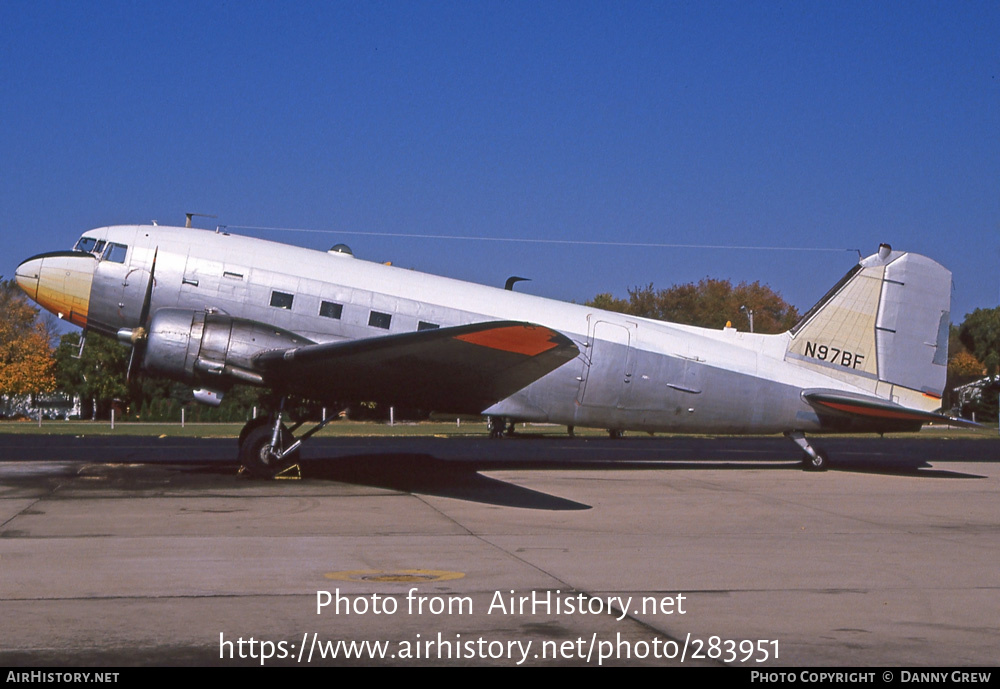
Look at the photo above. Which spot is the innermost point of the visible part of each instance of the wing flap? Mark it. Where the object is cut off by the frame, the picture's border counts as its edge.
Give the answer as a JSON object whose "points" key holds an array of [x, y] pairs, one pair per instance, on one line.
{"points": [[464, 369]]}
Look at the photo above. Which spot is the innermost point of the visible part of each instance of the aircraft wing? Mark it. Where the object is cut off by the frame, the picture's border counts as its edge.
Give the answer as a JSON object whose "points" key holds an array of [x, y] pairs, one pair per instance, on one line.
{"points": [[875, 410], [463, 369]]}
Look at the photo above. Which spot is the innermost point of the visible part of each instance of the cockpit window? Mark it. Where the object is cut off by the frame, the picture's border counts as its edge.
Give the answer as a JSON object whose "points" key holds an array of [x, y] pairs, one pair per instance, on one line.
{"points": [[91, 246], [85, 244], [115, 253]]}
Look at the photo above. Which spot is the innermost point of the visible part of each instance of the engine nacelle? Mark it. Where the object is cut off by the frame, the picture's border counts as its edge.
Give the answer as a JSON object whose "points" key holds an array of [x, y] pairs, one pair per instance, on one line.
{"points": [[201, 347]]}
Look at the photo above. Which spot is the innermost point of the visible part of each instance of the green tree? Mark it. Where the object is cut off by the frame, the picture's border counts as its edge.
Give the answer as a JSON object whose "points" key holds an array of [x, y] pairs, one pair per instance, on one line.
{"points": [[26, 363], [609, 303], [97, 375], [980, 333], [710, 303]]}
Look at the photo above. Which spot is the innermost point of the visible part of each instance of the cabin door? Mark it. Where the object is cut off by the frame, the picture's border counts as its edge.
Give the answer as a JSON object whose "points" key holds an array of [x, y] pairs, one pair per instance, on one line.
{"points": [[608, 373]]}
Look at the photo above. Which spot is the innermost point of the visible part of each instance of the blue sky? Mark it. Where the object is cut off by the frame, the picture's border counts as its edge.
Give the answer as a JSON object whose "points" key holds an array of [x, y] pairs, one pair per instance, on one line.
{"points": [[808, 125]]}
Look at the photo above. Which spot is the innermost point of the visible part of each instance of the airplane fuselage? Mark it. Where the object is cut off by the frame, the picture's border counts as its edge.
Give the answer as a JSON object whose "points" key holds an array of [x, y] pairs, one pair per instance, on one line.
{"points": [[631, 373]]}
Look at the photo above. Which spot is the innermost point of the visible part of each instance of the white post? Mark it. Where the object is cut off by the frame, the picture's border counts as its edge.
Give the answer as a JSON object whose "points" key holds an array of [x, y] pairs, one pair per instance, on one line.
{"points": [[255, 411], [112, 418], [392, 419], [182, 417], [324, 414], [458, 421]]}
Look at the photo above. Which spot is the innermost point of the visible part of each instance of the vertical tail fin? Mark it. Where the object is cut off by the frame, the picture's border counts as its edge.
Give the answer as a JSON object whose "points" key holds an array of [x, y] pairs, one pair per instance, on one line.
{"points": [[883, 327]]}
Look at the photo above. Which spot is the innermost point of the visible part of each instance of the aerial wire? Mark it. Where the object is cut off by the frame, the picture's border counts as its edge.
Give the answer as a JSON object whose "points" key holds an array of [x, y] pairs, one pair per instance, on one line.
{"points": [[531, 240]]}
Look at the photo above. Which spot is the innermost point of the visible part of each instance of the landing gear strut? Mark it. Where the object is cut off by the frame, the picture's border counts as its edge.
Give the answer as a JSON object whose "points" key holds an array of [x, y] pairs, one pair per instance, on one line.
{"points": [[500, 426], [262, 457], [813, 459], [268, 448], [496, 425]]}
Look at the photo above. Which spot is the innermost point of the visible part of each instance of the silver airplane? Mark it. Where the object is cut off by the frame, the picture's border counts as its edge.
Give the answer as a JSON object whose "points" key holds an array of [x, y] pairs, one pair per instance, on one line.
{"points": [[212, 309]]}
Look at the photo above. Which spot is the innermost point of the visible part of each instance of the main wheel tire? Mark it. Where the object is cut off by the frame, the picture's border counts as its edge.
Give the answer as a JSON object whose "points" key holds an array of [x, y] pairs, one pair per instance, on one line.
{"points": [[251, 425], [257, 456], [821, 462]]}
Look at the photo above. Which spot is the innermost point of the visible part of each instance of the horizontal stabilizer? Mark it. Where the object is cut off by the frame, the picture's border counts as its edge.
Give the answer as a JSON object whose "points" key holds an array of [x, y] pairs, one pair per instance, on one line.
{"points": [[464, 369], [875, 409]]}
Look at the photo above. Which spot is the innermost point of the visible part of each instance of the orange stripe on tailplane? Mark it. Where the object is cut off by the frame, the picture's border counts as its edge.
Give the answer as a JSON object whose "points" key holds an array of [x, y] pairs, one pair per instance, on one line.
{"points": [[864, 410], [519, 339]]}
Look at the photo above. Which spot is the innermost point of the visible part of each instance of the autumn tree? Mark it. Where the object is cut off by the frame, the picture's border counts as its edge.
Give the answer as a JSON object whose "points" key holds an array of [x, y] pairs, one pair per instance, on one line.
{"points": [[964, 364], [26, 363], [710, 303], [980, 334]]}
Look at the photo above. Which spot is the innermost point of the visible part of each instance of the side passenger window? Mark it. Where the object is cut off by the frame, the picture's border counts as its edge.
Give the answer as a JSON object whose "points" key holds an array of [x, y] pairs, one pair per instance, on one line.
{"points": [[281, 300], [379, 320], [329, 309]]}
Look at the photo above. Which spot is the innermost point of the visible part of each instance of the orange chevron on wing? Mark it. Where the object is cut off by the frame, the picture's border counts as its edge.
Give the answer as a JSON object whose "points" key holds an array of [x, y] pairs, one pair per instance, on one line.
{"points": [[520, 339]]}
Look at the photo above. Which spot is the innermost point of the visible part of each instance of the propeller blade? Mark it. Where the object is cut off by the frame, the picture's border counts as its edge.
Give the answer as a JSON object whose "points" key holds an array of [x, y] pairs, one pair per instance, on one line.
{"points": [[144, 314], [133, 362], [139, 338]]}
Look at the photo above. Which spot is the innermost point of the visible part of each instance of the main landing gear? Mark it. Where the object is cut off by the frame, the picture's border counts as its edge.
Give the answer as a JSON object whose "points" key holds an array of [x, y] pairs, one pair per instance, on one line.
{"points": [[499, 426], [261, 456], [813, 459], [268, 448]]}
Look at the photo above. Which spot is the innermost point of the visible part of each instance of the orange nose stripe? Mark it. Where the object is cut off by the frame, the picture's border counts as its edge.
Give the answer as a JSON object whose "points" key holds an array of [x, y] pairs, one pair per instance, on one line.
{"points": [[63, 287]]}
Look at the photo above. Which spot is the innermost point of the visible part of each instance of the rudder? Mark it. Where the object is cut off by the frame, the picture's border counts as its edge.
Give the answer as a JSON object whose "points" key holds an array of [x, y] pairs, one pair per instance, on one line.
{"points": [[883, 327]]}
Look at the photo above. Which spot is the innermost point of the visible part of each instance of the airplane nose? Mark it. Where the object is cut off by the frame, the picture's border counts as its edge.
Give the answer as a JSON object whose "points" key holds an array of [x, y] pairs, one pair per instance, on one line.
{"points": [[60, 282], [26, 276]]}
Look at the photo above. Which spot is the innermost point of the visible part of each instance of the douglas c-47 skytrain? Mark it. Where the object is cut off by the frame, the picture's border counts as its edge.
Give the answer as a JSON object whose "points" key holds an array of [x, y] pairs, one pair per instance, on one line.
{"points": [[211, 309]]}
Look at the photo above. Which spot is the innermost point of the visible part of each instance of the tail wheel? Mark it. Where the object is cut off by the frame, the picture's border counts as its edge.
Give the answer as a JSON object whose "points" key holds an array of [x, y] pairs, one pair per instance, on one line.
{"points": [[821, 462], [259, 458]]}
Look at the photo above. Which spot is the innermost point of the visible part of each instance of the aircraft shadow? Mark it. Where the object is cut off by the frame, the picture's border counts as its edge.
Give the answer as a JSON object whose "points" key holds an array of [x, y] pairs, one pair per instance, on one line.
{"points": [[898, 467], [918, 458], [455, 467], [428, 475], [446, 473], [869, 455]]}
